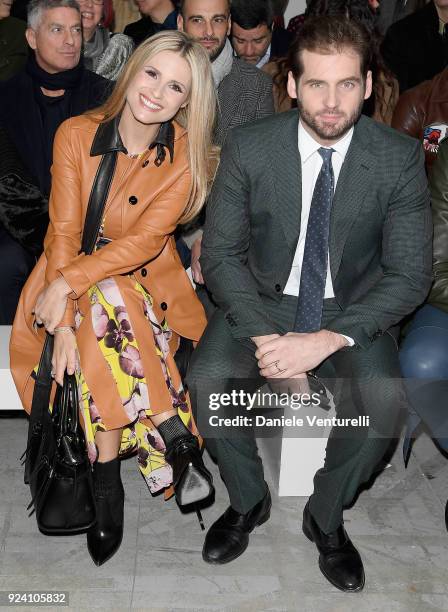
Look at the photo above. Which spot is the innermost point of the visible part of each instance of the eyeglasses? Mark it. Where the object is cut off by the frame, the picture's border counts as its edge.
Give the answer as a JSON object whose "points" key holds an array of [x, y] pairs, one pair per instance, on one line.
{"points": [[98, 2]]}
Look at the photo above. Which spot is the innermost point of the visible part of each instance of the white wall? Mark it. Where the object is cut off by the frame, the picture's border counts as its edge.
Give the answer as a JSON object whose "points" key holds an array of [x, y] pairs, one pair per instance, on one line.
{"points": [[295, 7]]}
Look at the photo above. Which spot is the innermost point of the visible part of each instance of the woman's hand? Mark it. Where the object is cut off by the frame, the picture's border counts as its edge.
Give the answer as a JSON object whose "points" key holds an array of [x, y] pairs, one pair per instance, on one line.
{"points": [[65, 354], [196, 271], [51, 304]]}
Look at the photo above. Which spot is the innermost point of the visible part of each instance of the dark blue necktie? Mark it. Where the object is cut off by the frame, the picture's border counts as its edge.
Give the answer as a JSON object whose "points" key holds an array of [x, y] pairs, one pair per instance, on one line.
{"points": [[315, 258]]}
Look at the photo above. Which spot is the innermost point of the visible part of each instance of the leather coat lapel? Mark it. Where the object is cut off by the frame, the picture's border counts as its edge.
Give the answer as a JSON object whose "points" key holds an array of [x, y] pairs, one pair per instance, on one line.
{"points": [[287, 174], [351, 189]]}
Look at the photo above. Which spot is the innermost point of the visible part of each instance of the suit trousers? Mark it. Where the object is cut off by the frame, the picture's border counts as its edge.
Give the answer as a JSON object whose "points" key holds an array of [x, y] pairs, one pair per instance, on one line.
{"points": [[366, 382]]}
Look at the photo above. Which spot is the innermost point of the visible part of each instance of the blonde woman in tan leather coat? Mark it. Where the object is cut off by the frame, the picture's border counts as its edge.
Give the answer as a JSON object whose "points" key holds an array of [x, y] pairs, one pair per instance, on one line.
{"points": [[117, 315]]}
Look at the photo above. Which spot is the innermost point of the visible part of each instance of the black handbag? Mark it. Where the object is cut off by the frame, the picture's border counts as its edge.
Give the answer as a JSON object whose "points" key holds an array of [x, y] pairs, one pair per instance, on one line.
{"points": [[57, 467]]}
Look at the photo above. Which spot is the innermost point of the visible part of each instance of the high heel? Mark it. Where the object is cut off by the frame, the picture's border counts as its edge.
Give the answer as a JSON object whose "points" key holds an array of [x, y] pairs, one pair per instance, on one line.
{"points": [[191, 479], [105, 536]]}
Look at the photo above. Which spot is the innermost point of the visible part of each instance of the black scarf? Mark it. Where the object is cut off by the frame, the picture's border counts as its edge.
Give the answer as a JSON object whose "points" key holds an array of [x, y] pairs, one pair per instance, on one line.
{"points": [[67, 79]]}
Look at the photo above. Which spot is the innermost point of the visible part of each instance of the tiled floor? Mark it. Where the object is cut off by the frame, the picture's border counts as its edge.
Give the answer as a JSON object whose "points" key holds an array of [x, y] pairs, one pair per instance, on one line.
{"points": [[398, 526]]}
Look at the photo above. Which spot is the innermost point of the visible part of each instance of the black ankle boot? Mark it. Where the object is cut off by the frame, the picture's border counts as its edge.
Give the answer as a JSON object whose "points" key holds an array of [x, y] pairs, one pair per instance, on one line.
{"points": [[104, 538], [191, 479]]}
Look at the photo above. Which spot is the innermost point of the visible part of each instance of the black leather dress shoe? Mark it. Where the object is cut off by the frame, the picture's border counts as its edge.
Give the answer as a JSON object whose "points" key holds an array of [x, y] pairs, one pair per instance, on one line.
{"points": [[339, 561], [191, 479], [228, 537], [446, 515]]}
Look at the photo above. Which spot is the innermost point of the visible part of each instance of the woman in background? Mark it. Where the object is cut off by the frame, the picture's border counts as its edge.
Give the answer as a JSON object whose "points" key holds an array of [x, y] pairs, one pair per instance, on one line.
{"points": [[104, 53]]}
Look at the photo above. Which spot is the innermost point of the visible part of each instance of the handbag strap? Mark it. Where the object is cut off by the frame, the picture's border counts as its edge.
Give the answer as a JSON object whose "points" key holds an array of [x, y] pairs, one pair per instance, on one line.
{"points": [[97, 201], [42, 387], [95, 208]]}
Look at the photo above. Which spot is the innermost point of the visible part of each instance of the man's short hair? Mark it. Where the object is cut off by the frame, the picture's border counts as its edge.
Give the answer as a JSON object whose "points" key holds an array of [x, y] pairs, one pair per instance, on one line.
{"points": [[181, 5], [37, 7], [250, 14], [328, 35]]}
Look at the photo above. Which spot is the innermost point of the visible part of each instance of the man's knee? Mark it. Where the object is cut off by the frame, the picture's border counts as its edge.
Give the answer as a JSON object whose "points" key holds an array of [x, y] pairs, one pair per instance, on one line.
{"points": [[425, 353]]}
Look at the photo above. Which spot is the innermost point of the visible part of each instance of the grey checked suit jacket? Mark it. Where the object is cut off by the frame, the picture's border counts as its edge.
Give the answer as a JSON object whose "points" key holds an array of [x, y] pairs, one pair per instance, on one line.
{"points": [[244, 95], [380, 230]]}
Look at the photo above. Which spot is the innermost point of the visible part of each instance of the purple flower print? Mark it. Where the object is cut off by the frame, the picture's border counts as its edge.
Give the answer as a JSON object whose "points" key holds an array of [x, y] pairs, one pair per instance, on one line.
{"points": [[162, 336], [111, 292], [155, 440], [117, 334], [100, 320], [142, 457], [130, 362], [95, 416], [160, 478]]}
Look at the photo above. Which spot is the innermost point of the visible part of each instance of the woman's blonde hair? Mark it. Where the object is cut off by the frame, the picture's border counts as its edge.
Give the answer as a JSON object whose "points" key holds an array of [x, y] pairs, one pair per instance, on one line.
{"points": [[198, 116]]}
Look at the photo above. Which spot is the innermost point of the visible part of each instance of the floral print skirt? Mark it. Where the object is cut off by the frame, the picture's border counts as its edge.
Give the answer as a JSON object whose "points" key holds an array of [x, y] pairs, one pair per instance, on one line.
{"points": [[119, 347]]}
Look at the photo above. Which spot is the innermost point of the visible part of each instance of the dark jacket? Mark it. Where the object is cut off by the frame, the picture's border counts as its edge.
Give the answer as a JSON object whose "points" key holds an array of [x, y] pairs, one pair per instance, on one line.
{"points": [[144, 28], [20, 116], [414, 50], [13, 47], [24, 191], [244, 95], [380, 241], [439, 202], [23, 208], [422, 112], [281, 39]]}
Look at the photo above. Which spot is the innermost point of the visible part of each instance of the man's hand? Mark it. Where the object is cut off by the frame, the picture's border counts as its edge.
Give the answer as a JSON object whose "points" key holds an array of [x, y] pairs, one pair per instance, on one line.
{"points": [[51, 304], [196, 271], [294, 354], [260, 340]]}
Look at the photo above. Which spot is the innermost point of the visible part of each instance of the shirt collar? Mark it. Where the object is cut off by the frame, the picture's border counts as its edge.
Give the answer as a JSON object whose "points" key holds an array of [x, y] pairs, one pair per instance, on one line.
{"points": [[308, 146], [265, 59], [107, 139]]}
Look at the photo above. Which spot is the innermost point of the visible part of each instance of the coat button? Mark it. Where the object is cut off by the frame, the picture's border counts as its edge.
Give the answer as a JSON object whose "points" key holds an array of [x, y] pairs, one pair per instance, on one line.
{"points": [[278, 288], [145, 163], [133, 200], [144, 272], [163, 306]]}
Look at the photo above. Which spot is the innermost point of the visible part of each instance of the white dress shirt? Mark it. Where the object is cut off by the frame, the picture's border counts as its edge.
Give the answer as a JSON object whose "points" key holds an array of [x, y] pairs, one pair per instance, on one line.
{"points": [[265, 59], [311, 165]]}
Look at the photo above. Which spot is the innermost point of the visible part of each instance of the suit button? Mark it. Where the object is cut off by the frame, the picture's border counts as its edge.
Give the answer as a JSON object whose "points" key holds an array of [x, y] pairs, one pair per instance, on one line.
{"points": [[144, 272], [133, 200], [145, 163], [163, 306], [278, 288]]}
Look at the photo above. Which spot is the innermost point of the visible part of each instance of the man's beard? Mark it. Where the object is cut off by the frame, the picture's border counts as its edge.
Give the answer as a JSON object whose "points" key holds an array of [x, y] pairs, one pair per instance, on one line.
{"points": [[329, 131], [214, 53]]}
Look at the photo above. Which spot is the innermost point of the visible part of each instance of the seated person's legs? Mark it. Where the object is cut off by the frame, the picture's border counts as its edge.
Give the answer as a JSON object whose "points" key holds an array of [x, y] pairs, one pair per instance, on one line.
{"points": [[371, 387], [424, 364], [217, 361], [15, 266]]}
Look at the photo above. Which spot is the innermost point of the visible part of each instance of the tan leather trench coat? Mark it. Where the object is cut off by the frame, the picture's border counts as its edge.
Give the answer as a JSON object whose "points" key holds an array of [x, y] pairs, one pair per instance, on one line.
{"points": [[142, 211]]}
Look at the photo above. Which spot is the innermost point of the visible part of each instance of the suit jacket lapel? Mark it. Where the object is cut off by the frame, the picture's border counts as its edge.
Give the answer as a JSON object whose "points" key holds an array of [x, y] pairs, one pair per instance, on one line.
{"points": [[287, 173], [351, 190]]}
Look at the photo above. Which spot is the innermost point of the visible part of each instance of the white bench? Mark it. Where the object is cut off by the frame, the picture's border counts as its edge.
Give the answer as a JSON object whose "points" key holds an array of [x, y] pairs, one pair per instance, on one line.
{"points": [[9, 400]]}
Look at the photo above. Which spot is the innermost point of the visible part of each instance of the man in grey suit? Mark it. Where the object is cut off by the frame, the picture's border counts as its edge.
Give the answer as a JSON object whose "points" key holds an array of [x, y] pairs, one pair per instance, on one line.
{"points": [[309, 277]]}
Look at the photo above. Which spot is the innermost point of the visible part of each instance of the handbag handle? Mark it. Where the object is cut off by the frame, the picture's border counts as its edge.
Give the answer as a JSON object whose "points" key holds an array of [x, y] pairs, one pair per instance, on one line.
{"points": [[42, 386]]}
